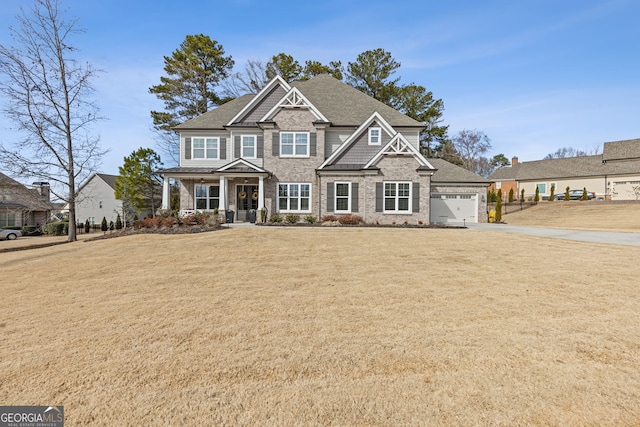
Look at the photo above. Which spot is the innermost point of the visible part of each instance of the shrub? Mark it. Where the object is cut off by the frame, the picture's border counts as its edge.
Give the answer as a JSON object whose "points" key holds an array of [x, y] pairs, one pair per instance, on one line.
{"points": [[168, 221], [350, 219], [522, 195], [584, 194], [567, 195], [420, 222], [310, 219], [498, 216], [292, 218], [118, 222], [276, 218], [511, 196], [103, 225], [148, 223], [328, 218], [87, 226], [57, 228], [552, 194], [536, 198]]}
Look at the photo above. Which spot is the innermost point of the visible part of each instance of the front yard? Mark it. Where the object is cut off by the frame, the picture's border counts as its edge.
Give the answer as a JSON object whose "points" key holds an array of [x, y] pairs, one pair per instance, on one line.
{"points": [[324, 326]]}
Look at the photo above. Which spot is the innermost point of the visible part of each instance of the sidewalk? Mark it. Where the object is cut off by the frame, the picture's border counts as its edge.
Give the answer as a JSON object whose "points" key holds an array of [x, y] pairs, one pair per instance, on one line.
{"points": [[610, 237]]}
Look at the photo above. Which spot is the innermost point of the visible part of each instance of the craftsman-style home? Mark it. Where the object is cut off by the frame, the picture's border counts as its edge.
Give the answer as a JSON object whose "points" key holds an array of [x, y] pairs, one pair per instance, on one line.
{"points": [[317, 147]]}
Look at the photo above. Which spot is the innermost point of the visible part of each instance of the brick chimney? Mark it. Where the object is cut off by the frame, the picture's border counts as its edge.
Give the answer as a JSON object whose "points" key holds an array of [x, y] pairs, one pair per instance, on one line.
{"points": [[514, 161], [43, 189]]}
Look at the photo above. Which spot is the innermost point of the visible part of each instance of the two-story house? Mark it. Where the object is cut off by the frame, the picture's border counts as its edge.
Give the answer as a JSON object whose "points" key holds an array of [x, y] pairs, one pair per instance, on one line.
{"points": [[313, 147]]}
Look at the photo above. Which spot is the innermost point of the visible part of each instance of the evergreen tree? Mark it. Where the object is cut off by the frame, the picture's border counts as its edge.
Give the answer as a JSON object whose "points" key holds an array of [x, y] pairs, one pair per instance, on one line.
{"points": [[104, 226], [118, 223], [537, 196], [552, 195], [499, 210], [194, 71], [511, 195], [139, 185], [87, 226], [567, 195]]}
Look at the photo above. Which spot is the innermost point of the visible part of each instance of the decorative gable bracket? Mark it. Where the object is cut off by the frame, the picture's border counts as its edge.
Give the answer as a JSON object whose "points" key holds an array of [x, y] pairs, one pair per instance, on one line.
{"points": [[294, 99]]}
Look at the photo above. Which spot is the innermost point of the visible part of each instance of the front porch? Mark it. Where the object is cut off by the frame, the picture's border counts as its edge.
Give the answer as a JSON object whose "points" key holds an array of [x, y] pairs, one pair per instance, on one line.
{"points": [[236, 191]]}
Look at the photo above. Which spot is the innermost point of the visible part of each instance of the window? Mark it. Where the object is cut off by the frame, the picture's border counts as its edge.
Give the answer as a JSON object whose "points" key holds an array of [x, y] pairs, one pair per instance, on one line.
{"points": [[397, 197], [207, 197], [374, 136], [542, 188], [205, 148], [294, 144], [343, 197], [249, 146], [294, 197], [7, 219]]}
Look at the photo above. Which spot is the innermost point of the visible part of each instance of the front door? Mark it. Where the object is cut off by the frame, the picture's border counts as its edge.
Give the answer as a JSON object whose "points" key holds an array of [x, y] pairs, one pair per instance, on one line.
{"points": [[247, 196]]}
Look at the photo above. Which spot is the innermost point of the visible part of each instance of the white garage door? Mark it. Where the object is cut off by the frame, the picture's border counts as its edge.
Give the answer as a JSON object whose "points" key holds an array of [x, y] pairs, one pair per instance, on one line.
{"points": [[454, 208]]}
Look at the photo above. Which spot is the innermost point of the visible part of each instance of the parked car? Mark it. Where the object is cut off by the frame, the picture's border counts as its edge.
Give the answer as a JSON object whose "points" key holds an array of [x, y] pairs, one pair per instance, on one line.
{"points": [[10, 234], [576, 195]]}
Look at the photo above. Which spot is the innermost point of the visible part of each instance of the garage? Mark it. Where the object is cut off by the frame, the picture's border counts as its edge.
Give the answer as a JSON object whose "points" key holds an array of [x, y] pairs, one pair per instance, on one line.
{"points": [[448, 208]]}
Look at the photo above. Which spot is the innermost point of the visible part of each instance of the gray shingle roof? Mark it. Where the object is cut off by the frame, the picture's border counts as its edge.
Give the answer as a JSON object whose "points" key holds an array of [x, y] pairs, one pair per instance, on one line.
{"points": [[450, 173], [618, 150], [109, 179], [569, 167], [344, 105], [340, 103], [218, 117], [21, 196]]}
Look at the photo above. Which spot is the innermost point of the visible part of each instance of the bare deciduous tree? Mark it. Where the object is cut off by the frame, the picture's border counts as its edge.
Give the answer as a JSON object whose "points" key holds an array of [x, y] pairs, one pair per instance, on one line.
{"points": [[47, 97], [472, 145]]}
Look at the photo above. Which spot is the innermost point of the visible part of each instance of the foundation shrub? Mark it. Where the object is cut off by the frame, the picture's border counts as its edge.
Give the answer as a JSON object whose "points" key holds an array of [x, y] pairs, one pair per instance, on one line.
{"points": [[310, 219], [276, 218], [292, 218], [350, 219], [328, 218]]}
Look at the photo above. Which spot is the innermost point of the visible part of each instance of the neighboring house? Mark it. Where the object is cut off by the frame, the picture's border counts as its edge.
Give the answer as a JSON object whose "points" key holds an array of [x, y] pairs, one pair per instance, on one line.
{"points": [[612, 175], [96, 199], [22, 206], [315, 147]]}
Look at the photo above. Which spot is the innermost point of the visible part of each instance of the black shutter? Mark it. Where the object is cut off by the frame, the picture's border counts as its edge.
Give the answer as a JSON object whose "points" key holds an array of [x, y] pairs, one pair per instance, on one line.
{"points": [[330, 196], [236, 146], [313, 150], [187, 148], [275, 144], [416, 197], [379, 196], [223, 148], [354, 197], [260, 147]]}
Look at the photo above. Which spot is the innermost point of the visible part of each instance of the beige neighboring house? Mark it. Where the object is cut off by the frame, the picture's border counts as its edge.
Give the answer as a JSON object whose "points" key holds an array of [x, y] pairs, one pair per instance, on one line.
{"points": [[314, 148], [97, 199], [21, 206], [612, 175]]}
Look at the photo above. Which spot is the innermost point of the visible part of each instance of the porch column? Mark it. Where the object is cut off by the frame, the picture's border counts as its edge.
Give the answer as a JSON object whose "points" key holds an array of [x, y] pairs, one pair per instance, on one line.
{"points": [[165, 192], [260, 193], [223, 194]]}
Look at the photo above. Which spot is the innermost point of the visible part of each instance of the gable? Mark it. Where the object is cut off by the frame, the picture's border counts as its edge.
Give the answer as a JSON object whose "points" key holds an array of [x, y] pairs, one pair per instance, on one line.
{"points": [[399, 147], [360, 152], [259, 109]]}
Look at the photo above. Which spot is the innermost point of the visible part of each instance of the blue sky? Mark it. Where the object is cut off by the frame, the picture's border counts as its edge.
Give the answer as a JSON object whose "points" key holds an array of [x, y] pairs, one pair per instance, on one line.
{"points": [[534, 75]]}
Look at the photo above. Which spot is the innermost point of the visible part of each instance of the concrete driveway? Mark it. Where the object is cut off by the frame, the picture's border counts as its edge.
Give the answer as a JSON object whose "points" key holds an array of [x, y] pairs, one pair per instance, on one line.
{"points": [[610, 237]]}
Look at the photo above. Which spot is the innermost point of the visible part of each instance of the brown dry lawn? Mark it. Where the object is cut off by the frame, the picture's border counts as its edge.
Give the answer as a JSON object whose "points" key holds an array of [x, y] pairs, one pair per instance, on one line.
{"points": [[324, 326], [589, 215]]}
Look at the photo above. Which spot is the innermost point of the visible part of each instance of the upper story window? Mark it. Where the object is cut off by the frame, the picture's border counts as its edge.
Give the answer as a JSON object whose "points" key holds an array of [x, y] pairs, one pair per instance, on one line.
{"points": [[374, 136], [294, 144], [206, 148], [249, 146]]}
